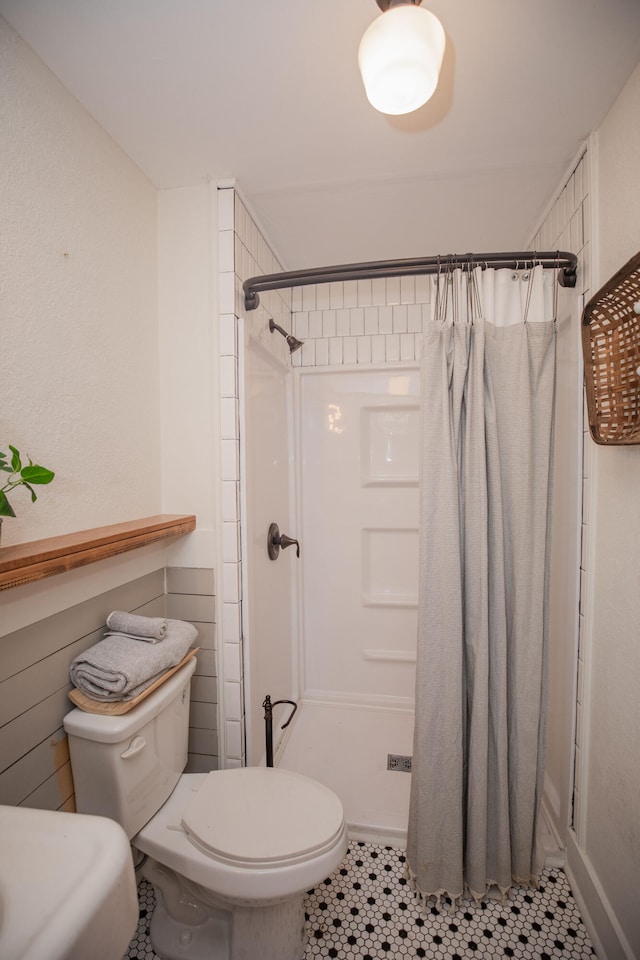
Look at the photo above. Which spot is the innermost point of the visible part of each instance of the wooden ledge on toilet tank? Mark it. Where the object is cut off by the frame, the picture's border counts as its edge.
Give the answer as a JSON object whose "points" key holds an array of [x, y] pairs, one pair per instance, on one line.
{"points": [[27, 562]]}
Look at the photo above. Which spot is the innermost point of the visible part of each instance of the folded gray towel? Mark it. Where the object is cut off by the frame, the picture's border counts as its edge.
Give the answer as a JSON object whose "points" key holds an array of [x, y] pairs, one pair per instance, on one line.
{"points": [[132, 636], [119, 667], [134, 625]]}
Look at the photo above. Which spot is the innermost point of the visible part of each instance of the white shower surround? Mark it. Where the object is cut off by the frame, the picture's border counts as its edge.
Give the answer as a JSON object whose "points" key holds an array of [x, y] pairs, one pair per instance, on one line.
{"points": [[364, 325], [356, 442], [353, 324]]}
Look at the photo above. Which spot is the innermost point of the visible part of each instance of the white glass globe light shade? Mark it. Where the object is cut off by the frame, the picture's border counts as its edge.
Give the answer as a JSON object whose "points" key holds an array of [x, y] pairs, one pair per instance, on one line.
{"points": [[400, 56]]}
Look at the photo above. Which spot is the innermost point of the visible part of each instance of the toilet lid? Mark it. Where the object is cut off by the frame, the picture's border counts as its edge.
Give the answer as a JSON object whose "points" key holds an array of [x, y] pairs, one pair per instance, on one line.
{"points": [[260, 814]]}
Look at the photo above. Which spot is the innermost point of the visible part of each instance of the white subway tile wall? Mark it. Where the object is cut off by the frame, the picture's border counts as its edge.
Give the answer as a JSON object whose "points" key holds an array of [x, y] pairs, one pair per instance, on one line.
{"points": [[367, 321], [568, 227], [242, 253]]}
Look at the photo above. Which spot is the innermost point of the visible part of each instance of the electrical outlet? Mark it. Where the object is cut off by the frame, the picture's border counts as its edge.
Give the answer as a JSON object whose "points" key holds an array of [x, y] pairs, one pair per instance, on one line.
{"points": [[396, 761]]}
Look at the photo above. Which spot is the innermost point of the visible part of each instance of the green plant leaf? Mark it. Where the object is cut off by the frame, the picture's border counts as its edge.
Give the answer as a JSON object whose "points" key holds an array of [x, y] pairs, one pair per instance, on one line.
{"points": [[37, 474], [31, 491], [16, 462], [6, 510], [6, 468]]}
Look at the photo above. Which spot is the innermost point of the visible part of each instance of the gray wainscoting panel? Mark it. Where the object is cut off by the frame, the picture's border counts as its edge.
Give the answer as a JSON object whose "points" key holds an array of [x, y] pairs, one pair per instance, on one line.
{"points": [[191, 597], [191, 580], [34, 682]]}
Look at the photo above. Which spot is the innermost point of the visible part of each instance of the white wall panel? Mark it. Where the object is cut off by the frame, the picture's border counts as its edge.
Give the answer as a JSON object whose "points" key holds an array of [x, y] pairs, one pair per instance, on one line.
{"points": [[358, 434]]}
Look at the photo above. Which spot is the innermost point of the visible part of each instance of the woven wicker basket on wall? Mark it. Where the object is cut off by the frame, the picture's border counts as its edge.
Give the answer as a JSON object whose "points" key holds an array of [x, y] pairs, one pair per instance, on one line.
{"points": [[611, 349]]}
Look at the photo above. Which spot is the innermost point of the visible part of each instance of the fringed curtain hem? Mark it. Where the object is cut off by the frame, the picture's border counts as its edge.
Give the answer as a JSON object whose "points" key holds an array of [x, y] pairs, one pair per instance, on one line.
{"points": [[530, 883]]}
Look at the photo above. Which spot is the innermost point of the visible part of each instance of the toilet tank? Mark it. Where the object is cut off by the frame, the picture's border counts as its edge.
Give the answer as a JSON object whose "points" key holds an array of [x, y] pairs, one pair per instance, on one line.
{"points": [[125, 767]]}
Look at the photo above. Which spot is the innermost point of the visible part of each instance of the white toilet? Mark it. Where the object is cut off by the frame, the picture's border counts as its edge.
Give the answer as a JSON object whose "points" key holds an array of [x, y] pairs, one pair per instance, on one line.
{"points": [[230, 853]]}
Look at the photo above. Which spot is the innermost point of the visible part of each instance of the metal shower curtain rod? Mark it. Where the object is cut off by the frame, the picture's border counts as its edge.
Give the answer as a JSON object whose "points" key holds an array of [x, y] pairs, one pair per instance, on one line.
{"points": [[566, 263]]}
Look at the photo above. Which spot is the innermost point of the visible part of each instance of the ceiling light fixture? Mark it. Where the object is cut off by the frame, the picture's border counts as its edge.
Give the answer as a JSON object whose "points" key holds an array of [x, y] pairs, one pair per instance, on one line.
{"points": [[400, 56]]}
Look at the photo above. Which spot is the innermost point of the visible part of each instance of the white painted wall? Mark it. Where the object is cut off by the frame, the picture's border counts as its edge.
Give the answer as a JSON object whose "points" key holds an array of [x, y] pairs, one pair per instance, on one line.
{"points": [[79, 358], [79, 386], [611, 801], [187, 321]]}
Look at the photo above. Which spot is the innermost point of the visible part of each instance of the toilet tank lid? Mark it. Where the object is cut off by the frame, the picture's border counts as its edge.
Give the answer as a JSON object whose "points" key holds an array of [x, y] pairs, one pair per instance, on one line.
{"points": [[104, 728]]}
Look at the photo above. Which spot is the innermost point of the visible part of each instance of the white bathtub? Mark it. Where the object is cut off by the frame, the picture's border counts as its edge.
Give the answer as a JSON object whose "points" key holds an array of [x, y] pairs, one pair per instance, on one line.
{"points": [[346, 746]]}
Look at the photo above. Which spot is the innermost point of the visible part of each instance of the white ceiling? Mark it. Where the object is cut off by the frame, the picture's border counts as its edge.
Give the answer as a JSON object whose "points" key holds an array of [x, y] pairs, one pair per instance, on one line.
{"points": [[268, 92]]}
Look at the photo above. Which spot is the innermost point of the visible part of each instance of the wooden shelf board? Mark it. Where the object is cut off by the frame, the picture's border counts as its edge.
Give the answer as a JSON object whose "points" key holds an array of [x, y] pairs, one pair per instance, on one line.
{"points": [[27, 562]]}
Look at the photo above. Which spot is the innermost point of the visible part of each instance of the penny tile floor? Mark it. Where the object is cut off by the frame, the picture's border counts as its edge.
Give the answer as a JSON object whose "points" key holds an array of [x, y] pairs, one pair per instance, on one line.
{"points": [[367, 910]]}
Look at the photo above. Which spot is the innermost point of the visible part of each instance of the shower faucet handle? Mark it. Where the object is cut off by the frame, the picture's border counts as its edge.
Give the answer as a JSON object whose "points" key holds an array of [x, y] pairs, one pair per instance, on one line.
{"points": [[286, 541], [276, 540]]}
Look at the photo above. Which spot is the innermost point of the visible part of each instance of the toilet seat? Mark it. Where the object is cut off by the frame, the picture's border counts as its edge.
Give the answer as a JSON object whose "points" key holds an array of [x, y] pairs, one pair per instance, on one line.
{"points": [[262, 815], [165, 839]]}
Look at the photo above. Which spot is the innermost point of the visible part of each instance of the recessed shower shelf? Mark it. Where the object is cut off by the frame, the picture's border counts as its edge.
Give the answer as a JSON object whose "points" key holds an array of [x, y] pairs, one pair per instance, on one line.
{"points": [[28, 562]]}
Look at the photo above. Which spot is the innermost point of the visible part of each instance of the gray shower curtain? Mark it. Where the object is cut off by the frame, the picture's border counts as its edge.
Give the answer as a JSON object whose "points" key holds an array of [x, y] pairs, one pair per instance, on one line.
{"points": [[478, 763]]}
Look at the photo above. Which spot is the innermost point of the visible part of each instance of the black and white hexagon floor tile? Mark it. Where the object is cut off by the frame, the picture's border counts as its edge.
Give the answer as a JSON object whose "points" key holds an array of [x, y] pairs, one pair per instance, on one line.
{"points": [[367, 910]]}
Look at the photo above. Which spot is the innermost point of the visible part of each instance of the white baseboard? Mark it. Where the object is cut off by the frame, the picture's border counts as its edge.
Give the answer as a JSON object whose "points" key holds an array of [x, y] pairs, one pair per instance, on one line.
{"points": [[597, 913], [385, 836]]}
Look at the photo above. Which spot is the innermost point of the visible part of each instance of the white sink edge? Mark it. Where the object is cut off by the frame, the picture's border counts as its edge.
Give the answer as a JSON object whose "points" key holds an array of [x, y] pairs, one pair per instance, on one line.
{"points": [[79, 870]]}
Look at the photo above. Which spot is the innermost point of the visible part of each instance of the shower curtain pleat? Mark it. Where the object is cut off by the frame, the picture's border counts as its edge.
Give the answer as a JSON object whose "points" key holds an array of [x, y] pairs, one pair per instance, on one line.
{"points": [[478, 761]]}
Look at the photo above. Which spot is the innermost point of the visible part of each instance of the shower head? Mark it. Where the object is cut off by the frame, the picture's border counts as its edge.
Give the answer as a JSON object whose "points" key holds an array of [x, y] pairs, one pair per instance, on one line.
{"points": [[293, 343]]}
